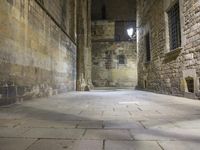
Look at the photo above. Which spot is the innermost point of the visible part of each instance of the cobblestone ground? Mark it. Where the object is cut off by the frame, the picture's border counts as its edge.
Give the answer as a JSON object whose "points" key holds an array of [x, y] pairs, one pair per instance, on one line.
{"points": [[102, 120]]}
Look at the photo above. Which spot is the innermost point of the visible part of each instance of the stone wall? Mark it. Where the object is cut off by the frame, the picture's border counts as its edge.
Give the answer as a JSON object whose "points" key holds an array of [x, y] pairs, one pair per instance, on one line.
{"points": [[107, 70], [103, 31], [37, 48], [168, 70]]}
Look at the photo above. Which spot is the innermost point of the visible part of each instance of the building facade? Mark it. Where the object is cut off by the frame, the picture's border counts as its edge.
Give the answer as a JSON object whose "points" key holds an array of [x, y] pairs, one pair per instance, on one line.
{"points": [[114, 56], [39, 45], [169, 46]]}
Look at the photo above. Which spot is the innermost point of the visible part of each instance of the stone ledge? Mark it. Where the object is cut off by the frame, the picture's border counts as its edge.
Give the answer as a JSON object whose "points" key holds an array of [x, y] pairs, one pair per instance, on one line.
{"points": [[172, 55]]}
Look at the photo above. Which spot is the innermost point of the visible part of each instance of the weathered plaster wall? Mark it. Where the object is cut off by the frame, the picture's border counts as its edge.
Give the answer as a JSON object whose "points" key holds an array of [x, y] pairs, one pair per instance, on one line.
{"points": [[167, 71], [37, 57], [106, 69]]}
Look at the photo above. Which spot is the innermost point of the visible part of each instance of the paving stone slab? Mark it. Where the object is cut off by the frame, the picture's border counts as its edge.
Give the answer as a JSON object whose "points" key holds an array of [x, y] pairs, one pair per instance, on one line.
{"points": [[158, 123], [92, 134], [180, 145], [47, 144], [188, 124], [131, 145], [166, 134], [10, 122], [90, 124], [54, 133], [122, 125], [15, 143], [49, 124], [12, 132]]}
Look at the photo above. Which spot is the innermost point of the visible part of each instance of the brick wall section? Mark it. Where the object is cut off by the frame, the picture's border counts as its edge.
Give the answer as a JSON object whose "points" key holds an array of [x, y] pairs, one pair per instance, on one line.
{"points": [[167, 71], [37, 58]]}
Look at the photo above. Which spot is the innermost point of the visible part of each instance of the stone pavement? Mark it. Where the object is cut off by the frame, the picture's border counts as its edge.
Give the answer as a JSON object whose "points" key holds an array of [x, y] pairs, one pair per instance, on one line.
{"points": [[102, 120]]}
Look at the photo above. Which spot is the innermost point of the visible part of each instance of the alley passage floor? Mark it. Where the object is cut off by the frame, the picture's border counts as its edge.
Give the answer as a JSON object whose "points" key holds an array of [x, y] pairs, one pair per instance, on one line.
{"points": [[102, 120]]}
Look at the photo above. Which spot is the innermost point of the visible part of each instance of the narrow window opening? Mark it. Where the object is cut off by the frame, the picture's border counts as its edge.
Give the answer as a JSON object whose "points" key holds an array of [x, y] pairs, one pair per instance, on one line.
{"points": [[145, 84], [190, 84], [63, 14], [199, 83], [174, 27], [148, 48], [108, 60], [121, 60], [103, 11]]}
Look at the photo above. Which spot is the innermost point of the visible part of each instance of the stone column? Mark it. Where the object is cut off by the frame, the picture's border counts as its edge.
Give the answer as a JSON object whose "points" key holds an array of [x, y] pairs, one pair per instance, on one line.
{"points": [[84, 45]]}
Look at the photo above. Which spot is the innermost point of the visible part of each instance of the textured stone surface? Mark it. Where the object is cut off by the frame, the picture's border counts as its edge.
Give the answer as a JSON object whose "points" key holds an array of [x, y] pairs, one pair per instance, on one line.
{"points": [[12, 132], [60, 133], [179, 145], [64, 144], [90, 124], [103, 30], [84, 55], [106, 69], [167, 72], [15, 144], [119, 145], [108, 134], [102, 120], [37, 54]]}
